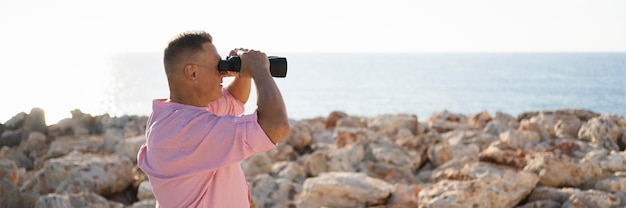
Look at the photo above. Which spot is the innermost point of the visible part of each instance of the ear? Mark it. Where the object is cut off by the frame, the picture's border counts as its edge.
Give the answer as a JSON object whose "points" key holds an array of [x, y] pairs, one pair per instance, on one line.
{"points": [[190, 71]]}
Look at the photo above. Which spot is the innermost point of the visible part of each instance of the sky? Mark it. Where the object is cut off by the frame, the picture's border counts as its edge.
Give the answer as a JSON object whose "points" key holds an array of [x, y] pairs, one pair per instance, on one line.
{"points": [[48, 46]]}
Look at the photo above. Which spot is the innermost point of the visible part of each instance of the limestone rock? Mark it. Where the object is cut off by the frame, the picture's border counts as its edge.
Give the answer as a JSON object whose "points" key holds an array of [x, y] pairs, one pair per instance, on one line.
{"points": [[16, 122], [144, 192], [129, 147], [82, 199], [63, 145], [562, 170], [520, 139], [352, 122], [345, 136], [442, 152], [445, 121], [573, 197], [11, 138], [10, 194], [257, 163], [282, 152], [614, 183], [300, 136], [567, 127], [343, 189], [35, 122], [35, 148], [541, 204], [387, 122], [9, 171], [503, 154], [333, 117], [273, 192], [111, 137], [479, 185], [77, 172], [289, 170], [390, 153], [389, 173], [602, 131], [150, 203], [480, 120]]}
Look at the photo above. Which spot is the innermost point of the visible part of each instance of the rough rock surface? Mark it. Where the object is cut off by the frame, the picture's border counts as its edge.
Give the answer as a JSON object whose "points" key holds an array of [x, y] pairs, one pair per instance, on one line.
{"points": [[562, 158]]}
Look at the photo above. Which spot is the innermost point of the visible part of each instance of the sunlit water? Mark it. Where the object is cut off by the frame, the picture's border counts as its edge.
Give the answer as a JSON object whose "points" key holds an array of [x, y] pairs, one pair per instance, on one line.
{"points": [[365, 84]]}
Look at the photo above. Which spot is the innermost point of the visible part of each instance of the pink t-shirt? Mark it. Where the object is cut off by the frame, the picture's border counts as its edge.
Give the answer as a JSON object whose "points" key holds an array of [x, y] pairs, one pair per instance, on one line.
{"points": [[192, 154]]}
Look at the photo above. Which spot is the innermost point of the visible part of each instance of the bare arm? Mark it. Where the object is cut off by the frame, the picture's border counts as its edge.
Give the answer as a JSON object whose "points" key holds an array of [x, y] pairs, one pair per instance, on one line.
{"points": [[272, 114], [240, 89]]}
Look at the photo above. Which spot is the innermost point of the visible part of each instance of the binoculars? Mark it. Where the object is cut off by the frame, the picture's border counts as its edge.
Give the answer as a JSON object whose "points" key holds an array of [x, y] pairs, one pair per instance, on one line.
{"points": [[278, 65]]}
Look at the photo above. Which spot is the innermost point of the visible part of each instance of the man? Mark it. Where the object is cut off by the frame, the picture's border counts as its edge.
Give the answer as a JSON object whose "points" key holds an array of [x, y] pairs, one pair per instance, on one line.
{"points": [[197, 138]]}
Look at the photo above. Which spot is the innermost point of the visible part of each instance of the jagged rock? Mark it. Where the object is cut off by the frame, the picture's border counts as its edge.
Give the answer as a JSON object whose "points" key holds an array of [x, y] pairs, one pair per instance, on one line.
{"points": [[300, 136], [445, 121], [520, 139], [82, 199], [8, 170], [496, 127], [592, 198], [480, 120], [129, 147], [602, 131], [405, 195], [273, 192], [390, 153], [35, 148], [78, 172], [144, 192], [389, 173], [288, 170], [530, 125], [503, 154], [63, 145], [345, 136], [256, 164], [442, 152], [315, 163], [541, 204], [35, 122], [282, 152], [616, 183], [567, 127], [558, 170], [11, 138], [111, 137], [19, 157], [479, 185], [333, 117], [150, 203], [10, 194], [388, 122], [352, 122], [467, 137], [343, 189], [16, 122]]}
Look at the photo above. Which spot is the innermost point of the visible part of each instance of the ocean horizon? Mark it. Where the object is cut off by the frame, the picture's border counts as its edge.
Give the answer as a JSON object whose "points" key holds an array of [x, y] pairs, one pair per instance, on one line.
{"points": [[366, 84]]}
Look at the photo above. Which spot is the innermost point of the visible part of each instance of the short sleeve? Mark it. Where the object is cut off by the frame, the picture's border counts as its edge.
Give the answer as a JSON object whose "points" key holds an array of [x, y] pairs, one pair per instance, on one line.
{"points": [[228, 140], [226, 105]]}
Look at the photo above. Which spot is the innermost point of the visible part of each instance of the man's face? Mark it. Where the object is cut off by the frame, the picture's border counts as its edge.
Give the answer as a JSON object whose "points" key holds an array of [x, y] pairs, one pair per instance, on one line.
{"points": [[209, 78]]}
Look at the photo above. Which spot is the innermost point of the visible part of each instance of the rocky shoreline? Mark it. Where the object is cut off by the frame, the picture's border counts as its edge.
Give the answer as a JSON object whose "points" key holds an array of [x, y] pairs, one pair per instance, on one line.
{"points": [[561, 158]]}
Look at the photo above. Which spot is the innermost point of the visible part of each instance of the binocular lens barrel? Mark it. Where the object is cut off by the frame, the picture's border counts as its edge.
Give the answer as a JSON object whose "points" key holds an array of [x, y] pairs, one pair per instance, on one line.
{"points": [[278, 65]]}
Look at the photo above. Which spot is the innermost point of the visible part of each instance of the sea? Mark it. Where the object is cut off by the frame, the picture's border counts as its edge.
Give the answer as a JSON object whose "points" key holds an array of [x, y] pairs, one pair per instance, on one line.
{"points": [[422, 84]]}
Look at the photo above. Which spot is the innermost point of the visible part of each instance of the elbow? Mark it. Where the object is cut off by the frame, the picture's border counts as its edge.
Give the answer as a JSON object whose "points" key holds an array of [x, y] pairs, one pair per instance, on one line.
{"points": [[281, 132]]}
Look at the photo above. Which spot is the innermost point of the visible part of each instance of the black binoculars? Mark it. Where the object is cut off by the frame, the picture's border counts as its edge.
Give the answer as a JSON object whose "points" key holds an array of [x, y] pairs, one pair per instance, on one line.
{"points": [[278, 65]]}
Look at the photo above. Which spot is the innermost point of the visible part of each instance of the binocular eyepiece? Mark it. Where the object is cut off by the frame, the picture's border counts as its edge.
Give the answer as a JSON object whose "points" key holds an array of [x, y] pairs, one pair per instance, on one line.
{"points": [[278, 65]]}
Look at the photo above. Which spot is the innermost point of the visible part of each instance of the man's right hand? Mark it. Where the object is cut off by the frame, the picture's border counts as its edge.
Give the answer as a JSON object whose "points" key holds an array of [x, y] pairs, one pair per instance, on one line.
{"points": [[254, 63]]}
